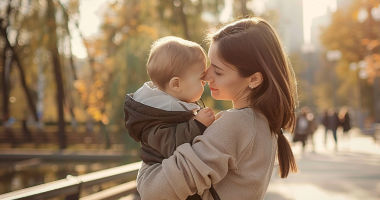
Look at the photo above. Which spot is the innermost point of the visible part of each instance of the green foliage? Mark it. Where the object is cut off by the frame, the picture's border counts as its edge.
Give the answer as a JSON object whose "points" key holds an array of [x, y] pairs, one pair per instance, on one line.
{"points": [[116, 56]]}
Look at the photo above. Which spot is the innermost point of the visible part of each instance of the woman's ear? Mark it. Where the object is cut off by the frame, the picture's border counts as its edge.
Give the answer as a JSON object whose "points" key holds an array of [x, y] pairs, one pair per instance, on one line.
{"points": [[174, 84], [255, 80]]}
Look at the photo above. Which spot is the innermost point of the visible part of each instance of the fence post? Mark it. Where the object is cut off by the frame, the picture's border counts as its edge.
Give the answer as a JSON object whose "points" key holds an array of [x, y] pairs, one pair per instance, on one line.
{"points": [[76, 195]]}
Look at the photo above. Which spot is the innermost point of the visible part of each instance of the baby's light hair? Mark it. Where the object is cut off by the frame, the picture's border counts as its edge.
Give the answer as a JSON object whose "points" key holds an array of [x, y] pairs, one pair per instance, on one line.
{"points": [[171, 57]]}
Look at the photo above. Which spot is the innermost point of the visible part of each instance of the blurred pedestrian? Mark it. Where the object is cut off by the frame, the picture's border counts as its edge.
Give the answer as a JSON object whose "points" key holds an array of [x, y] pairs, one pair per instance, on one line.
{"points": [[324, 120], [302, 128], [344, 120], [312, 127], [332, 124]]}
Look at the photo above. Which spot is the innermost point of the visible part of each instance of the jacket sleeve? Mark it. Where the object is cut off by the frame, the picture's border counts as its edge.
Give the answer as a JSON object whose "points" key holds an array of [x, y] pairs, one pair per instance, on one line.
{"points": [[193, 168], [165, 138]]}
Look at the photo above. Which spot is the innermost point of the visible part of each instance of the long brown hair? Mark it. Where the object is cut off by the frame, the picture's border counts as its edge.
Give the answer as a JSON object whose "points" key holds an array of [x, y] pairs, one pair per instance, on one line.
{"points": [[252, 45]]}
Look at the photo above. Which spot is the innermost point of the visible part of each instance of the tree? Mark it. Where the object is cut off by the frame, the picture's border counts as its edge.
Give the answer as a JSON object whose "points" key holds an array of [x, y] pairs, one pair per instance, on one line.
{"points": [[53, 48], [6, 63], [38, 29], [352, 36], [9, 54]]}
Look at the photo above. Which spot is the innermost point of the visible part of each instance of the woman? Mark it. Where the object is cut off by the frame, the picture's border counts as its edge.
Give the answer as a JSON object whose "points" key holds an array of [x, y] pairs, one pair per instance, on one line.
{"points": [[302, 128], [237, 152]]}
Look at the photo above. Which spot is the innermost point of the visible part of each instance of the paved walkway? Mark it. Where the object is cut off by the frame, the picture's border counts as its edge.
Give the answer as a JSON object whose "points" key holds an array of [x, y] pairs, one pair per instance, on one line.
{"points": [[352, 172]]}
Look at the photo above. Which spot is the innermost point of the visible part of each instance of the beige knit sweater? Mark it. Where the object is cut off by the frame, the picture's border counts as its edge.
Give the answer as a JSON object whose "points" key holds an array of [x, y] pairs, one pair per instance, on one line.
{"points": [[236, 154]]}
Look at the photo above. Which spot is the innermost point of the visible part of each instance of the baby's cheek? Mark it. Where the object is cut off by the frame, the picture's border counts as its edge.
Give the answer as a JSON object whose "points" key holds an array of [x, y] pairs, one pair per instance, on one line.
{"points": [[202, 88]]}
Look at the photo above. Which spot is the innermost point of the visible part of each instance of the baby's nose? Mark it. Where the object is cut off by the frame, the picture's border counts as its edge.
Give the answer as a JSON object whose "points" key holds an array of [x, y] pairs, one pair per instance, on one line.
{"points": [[207, 76]]}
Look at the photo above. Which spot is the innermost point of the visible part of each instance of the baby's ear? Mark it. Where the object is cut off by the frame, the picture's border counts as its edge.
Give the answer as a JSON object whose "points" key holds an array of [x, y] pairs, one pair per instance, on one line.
{"points": [[174, 83]]}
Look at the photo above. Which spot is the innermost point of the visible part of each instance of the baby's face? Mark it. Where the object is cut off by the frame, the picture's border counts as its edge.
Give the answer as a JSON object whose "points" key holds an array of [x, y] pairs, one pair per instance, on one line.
{"points": [[192, 83]]}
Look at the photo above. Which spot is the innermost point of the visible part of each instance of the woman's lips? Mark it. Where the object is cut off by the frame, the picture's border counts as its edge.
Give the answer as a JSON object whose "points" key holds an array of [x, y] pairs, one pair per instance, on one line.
{"points": [[213, 89]]}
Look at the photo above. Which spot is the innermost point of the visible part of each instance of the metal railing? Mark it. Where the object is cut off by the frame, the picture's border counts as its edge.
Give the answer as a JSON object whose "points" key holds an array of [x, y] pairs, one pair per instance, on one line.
{"points": [[72, 186]]}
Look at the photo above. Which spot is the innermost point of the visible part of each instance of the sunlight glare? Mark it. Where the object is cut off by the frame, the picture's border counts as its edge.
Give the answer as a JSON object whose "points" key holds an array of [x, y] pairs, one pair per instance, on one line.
{"points": [[313, 9]]}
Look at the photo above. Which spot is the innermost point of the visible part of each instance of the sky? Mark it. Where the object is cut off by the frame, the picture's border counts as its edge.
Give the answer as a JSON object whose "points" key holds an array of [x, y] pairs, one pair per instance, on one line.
{"points": [[313, 9], [91, 11], [89, 23]]}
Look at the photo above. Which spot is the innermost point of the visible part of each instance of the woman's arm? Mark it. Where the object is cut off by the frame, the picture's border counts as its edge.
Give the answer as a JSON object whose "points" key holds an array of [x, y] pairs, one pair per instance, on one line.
{"points": [[194, 168]]}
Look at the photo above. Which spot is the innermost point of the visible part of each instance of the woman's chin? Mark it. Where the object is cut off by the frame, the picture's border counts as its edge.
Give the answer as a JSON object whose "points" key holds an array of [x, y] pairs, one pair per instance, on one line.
{"points": [[215, 96]]}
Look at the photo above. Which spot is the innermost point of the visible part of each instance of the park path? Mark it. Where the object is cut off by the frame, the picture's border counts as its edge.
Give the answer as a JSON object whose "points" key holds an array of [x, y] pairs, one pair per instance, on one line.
{"points": [[352, 172]]}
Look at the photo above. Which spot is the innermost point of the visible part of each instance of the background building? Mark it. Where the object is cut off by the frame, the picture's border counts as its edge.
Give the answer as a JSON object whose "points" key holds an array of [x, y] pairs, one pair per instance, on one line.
{"points": [[289, 22]]}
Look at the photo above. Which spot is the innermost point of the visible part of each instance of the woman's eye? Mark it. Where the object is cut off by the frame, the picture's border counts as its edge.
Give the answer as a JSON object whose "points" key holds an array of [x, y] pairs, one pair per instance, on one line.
{"points": [[215, 70]]}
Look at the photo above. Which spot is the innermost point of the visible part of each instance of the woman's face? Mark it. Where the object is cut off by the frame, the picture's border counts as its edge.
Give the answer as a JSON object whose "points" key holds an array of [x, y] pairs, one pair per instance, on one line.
{"points": [[223, 78]]}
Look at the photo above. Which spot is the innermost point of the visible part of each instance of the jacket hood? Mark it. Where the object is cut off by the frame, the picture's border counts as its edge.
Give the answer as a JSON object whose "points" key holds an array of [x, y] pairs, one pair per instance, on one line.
{"points": [[139, 116], [151, 95]]}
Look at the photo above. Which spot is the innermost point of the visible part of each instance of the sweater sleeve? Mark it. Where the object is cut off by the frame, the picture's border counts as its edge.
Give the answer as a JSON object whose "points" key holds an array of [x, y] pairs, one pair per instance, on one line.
{"points": [[165, 138], [193, 168]]}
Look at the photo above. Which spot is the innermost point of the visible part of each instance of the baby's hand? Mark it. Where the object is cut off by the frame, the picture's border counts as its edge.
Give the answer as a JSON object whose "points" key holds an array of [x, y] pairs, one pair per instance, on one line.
{"points": [[205, 116], [218, 115]]}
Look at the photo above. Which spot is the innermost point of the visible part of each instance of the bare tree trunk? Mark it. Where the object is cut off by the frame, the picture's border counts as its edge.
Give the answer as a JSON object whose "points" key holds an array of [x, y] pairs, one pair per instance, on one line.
{"points": [[66, 15], [5, 73], [243, 8], [10, 55], [183, 18], [73, 71], [29, 98], [52, 26]]}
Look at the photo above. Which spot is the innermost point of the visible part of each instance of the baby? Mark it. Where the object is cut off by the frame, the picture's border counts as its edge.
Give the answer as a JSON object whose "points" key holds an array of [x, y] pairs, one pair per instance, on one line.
{"points": [[162, 114]]}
